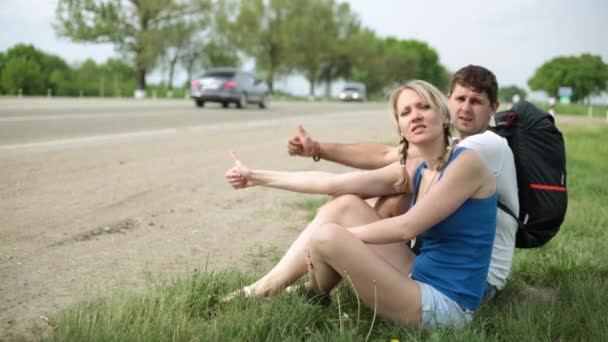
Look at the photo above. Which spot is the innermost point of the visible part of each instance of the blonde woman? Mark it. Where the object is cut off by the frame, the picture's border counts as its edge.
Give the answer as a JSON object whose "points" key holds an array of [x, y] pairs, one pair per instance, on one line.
{"points": [[453, 211]]}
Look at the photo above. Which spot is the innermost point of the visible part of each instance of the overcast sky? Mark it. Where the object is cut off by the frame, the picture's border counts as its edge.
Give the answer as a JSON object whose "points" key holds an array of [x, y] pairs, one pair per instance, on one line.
{"points": [[510, 37]]}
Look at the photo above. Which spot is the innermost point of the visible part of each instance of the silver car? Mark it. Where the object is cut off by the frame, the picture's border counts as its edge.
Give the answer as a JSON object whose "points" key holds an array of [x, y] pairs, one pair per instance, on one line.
{"points": [[229, 85]]}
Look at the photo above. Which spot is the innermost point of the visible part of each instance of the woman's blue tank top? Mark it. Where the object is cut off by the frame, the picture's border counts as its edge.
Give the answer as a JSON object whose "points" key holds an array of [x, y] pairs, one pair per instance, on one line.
{"points": [[456, 253]]}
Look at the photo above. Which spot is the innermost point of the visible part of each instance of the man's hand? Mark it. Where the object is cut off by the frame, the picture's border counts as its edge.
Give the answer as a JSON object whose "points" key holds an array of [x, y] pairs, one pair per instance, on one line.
{"points": [[300, 144], [238, 175]]}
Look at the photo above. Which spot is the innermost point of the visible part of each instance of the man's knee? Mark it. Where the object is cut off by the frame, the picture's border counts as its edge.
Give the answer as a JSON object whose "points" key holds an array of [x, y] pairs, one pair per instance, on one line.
{"points": [[393, 205], [341, 204]]}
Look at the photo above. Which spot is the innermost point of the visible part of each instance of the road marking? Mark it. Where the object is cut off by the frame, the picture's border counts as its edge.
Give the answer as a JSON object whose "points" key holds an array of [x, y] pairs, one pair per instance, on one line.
{"points": [[89, 139], [77, 116], [217, 127]]}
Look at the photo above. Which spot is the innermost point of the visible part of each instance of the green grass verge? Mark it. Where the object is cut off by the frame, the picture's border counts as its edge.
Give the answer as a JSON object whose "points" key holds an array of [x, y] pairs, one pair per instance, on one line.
{"points": [[556, 293], [598, 111]]}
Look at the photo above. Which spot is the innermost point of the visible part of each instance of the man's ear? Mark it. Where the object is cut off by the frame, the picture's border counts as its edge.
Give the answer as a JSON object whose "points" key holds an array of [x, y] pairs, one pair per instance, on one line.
{"points": [[495, 106]]}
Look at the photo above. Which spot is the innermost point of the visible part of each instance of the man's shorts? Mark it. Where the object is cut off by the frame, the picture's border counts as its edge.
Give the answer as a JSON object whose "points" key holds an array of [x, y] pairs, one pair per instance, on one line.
{"points": [[439, 311]]}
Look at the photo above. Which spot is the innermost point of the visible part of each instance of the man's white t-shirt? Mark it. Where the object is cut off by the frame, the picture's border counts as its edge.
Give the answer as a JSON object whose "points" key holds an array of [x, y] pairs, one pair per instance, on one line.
{"points": [[499, 158]]}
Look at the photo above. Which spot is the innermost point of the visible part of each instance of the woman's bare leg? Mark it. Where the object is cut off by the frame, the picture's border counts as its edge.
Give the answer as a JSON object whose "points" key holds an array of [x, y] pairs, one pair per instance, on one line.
{"points": [[346, 210], [335, 252]]}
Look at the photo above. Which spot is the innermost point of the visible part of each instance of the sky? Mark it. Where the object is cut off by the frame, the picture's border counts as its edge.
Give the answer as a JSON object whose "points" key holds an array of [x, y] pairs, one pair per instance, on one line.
{"points": [[510, 37]]}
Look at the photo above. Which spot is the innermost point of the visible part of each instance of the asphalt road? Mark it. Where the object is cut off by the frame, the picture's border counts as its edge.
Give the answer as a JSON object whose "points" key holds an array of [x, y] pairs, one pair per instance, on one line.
{"points": [[46, 123]]}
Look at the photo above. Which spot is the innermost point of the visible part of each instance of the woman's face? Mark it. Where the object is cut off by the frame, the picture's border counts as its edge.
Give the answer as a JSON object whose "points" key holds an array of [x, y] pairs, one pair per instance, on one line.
{"points": [[418, 121]]}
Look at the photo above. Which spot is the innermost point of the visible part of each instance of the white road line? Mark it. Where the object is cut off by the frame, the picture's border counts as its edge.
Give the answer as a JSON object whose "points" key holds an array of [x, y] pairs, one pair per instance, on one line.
{"points": [[89, 139], [77, 116], [225, 126]]}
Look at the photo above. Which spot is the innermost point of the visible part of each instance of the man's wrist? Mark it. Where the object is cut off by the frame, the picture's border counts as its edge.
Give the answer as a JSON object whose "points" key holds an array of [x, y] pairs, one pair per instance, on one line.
{"points": [[316, 151]]}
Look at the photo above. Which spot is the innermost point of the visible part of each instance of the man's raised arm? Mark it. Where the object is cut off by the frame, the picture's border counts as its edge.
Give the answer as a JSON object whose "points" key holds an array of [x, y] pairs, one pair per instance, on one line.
{"points": [[367, 156]]}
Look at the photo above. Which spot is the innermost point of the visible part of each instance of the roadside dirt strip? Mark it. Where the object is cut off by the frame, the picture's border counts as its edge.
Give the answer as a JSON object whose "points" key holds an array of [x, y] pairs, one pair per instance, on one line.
{"points": [[81, 221]]}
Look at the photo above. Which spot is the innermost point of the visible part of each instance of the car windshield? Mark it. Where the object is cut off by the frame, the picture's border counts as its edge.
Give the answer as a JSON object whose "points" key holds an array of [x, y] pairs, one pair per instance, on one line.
{"points": [[351, 89]]}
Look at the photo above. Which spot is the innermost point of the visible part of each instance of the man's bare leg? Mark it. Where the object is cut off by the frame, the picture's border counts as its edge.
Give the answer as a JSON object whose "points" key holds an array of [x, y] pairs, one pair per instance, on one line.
{"points": [[389, 206]]}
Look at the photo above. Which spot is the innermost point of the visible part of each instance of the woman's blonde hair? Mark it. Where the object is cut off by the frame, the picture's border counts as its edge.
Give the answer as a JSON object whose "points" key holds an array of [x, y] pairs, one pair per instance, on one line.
{"points": [[434, 98]]}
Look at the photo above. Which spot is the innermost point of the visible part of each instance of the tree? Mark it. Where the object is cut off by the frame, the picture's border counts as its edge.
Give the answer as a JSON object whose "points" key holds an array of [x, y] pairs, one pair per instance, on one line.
{"points": [[90, 79], [312, 51], [120, 76], [29, 69], [505, 94], [260, 29], [65, 81], [179, 36], [24, 74], [326, 48], [395, 61], [428, 67], [114, 78], [218, 55], [138, 28], [587, 75], [212, 48], [214, 53], [2, 65], [422, 62]]}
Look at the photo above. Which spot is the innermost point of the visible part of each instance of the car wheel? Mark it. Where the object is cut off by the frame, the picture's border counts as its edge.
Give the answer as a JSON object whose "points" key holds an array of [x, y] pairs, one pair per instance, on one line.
{"points": [[242, 101], [200, 103], [225, 104], [264, 102]]}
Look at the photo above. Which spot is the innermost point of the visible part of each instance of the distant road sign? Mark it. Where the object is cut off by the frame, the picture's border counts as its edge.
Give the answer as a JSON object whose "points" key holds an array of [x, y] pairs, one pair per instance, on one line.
{"points": [[565, 94]]}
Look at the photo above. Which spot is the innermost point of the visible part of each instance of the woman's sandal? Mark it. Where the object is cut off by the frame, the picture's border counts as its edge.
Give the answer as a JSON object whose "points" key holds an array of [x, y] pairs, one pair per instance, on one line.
{"points": [[310, 295], [246, 291]]}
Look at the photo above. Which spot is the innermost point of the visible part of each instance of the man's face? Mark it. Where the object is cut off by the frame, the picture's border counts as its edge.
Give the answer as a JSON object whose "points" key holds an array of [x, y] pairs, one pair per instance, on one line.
{"points": [[471, 111]]}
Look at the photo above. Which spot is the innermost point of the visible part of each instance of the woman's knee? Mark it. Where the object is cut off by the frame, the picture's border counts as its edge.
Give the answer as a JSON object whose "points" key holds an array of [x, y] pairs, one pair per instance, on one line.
{"points": [[324, 240]]}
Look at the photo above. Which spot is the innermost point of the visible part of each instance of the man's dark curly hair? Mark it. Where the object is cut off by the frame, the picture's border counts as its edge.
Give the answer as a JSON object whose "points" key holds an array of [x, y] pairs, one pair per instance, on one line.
{"points": [[478, 78]]}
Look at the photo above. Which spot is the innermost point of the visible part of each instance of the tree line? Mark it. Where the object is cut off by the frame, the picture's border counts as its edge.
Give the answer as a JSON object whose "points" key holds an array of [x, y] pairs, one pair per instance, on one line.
{"points": [[29, 71], [324, 40]]}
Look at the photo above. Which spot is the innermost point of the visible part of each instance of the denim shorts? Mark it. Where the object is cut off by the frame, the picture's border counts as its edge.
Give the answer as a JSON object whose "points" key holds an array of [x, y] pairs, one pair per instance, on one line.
{"points": [[439, 311], [489, 292]]}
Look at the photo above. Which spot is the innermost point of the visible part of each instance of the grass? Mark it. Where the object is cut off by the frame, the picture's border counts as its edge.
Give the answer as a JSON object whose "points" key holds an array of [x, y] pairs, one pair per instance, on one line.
{"points": [[598, 111], [311, 206], [262, 257], [556, 293]]}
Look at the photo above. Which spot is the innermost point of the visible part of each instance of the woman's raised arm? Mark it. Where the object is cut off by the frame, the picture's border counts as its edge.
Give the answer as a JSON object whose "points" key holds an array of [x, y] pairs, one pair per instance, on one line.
{"points": [[363, 183]]}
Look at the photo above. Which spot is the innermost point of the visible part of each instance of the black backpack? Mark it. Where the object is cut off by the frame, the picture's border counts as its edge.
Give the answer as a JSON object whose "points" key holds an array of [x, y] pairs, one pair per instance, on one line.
{"points": [[540, 163]]}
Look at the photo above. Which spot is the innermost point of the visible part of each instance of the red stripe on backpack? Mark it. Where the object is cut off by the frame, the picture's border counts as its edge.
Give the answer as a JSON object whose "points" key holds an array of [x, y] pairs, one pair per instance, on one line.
{"points": [[547, 187]]}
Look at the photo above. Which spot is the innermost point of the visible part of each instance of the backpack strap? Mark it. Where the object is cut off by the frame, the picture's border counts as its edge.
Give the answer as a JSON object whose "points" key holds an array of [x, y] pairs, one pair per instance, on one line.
{"points": [[510, 212]]}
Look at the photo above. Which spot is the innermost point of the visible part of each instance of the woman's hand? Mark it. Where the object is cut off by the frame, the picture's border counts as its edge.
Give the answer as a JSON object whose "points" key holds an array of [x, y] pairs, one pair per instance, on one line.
{"points": [[239, 176]]}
